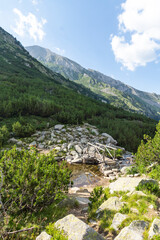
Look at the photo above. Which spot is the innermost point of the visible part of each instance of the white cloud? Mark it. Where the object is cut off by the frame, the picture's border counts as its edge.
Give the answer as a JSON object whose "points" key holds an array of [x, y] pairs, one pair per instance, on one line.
{"points": [[59, 51], [34, 2], [29, 25], [138, 41]]}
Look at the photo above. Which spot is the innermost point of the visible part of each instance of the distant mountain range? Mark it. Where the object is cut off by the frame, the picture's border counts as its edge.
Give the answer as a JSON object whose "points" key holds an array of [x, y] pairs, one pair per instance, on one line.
{"points": [[113, 91]]}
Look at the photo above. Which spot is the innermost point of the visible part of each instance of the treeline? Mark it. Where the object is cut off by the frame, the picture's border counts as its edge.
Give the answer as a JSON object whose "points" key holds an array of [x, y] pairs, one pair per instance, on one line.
{"points": [[22, 96]]}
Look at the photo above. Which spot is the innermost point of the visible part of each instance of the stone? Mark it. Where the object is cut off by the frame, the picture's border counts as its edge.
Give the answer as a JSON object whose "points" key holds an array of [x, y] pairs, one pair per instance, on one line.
{"points": [[20, 143], [40, 146], [125, 184], [106, 173], [155, 228], [113, 204], [95, 131], [117, 220], [76, 160], [84, 140], [73, 190], [44, 236], [82, 200], [33, 144], [84, 210], [58, 127], [12, 140], [133, 232], [78, 149], [76, 229], [125, 169], [110, 139], [41, 138]]}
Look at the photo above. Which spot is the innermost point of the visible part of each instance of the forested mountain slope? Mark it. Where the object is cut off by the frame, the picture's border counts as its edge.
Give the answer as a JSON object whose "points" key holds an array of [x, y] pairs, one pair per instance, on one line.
{"points": [[114, 91], [28, 89]]}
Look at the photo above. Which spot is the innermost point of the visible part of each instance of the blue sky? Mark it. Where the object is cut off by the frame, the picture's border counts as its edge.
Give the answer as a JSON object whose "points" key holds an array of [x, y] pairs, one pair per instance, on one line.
{"points": [[120, 38]]}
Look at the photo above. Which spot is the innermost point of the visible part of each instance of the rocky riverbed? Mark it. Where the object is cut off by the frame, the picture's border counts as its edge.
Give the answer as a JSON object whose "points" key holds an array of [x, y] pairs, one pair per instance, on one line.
{"points": [[77, 145]]}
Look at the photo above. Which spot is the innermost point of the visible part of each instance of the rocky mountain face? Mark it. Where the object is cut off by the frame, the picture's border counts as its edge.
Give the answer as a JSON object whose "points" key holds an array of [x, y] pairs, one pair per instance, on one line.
{"points": [[114, 92]]}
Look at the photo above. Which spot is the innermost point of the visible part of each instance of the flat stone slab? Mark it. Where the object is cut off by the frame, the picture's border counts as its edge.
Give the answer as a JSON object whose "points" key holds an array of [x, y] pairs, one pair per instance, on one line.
{"points": [[76, 229], [125, 184]]}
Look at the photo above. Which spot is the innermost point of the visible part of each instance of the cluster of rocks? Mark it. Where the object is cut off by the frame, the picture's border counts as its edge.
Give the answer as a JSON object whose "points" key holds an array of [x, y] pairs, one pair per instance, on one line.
{"points": [[74, 228], [76, 144]]}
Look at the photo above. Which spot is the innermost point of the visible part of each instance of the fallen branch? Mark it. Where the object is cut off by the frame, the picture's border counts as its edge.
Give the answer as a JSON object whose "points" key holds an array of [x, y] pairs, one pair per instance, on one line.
{"points": [[22, 230]]}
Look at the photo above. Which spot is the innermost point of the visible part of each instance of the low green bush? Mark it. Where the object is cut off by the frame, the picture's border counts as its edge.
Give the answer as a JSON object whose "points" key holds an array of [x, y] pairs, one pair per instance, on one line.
{"points": [[21, 130], [4, 135], [31, 180], [149, 187], [55, 233]]}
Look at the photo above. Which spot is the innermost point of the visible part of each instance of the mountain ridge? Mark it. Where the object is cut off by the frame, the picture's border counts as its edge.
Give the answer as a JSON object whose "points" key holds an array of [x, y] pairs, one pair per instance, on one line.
{"points": [[114, 91]]}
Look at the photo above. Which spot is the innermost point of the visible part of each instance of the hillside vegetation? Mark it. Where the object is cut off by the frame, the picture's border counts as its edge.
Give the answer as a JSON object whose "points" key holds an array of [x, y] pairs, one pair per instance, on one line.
{"points": [[31, 93], [115, 92]]}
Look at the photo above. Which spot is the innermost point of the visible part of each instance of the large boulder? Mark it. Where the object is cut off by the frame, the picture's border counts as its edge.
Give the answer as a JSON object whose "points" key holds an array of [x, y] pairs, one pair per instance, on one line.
{"points": [[113, 204], [43, 236], [133, 232], [75, 229], [117, 220], [155, 228], [125, 184], [110, 139]]}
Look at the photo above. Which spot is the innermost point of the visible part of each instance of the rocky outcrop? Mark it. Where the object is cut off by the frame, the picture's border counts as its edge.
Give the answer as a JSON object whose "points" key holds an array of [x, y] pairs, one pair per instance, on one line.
{"points": [[133, 232], [155, 228], [75, 229]]}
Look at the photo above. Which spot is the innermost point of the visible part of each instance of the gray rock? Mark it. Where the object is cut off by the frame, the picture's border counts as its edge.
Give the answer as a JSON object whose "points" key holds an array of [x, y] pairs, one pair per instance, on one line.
{"points": [[84, 140], [133, 232], [20, 143], [125, 169], [78, 149], [155, 228], [13, 140], [75, 229], [110, 139], [44, 236], [113, 203], [107, 173], [76, 160], [40, 146], [58, 127], [33, 144], [124, 184], [82, 200], [117, 220], [41, 138], [95, 131]]}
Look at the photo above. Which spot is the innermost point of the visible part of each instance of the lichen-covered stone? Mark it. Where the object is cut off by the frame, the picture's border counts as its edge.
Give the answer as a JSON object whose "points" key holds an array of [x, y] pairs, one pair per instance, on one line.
{"points": [[133, 232], [44, 236], [113, 204], [155, 228], [75, 229], [125, 184], [117, 220]]}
